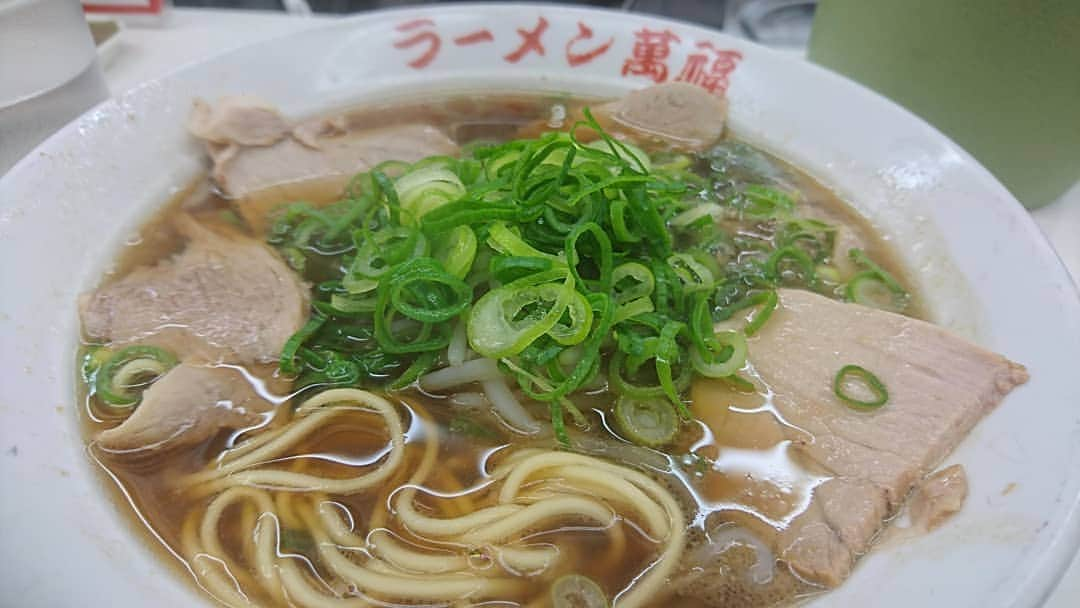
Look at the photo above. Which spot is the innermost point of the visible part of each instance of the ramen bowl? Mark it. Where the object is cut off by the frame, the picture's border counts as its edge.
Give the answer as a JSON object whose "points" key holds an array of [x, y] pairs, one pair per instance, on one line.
{"points": [[982, 266]]}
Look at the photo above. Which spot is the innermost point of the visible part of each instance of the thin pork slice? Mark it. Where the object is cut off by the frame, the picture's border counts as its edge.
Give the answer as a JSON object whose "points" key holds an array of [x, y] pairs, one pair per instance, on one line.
{"points": [[676, 114], [224, 297], [938, 498], [260, 159], [337, 157], [244, 121], [670, 116], [939, 385], [187, 405]]}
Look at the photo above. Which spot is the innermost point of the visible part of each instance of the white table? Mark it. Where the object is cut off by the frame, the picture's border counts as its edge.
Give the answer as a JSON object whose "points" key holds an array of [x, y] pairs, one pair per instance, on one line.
{"points": [[191, 35]]}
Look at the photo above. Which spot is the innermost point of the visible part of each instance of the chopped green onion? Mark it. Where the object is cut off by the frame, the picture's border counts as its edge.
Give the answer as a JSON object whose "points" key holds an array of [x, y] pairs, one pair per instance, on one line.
{"points": [[421, 290], [601, 255], [420, 366], [827, 273], [875, 287], [666, 355], [739, 384], [768, 301], [506, 242], [859, 257], [627, 152], [580, 316], [575, 265], [378, 252], [620, 150], [762, 201], [507, 269], [619, 227], [632, 281], [93, 359], [457, 251], [507, 319], [726, 354], [633, 308], [467, 212], [623, 386], [695, 276], [648, 422], [496, 163], [796, 255], [287, 362], [814, 237], [868, 289], [348, 304], [713, 211], [855, 374], [123, 370], [426, 188]]}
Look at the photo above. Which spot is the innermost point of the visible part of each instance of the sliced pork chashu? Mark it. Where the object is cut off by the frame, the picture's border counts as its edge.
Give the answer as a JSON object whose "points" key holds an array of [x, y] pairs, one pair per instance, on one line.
{"points": [[677, 114], [674, 115], [187, 405], [260, 159], [243, 121], [938, 498], [224, 297], [337, 157], [940, 386]]}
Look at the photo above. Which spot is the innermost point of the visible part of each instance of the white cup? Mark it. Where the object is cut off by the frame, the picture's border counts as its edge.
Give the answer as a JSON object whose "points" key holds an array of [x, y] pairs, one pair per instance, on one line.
{"points": [[49, 72]]}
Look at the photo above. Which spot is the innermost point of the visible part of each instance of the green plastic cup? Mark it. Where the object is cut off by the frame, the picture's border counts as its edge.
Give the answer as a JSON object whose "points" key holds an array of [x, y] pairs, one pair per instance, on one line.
{"points": [[999, 77]]}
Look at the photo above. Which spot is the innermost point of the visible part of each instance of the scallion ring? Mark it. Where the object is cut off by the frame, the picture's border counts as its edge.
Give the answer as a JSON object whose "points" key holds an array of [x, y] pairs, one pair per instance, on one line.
{"points": [[116, 377], [726, 355], [850, 373], [457, 251], [287, 363], [796, 255], [632, 281], [874, 286], [762, 201], [767, 300], [648, 422], [868, 289], [694, 275], [379, 251], [426, 188], [421, 290], [507, 319]]}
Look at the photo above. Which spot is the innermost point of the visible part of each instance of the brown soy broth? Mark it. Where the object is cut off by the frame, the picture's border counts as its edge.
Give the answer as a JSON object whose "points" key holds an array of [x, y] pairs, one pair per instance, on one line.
{"points": [[147, 486]]}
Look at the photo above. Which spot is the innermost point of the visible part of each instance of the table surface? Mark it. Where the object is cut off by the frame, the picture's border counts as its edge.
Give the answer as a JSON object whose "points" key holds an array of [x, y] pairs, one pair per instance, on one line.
{"points": [[191, 35]]}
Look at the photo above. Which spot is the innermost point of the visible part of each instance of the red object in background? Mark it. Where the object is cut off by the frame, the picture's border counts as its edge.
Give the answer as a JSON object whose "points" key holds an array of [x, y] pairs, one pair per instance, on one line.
{"points": [[130, 7]]}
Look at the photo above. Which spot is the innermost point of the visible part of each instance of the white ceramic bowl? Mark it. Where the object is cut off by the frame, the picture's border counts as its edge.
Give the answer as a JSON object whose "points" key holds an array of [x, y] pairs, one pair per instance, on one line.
{"points": [[984, 267]]}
